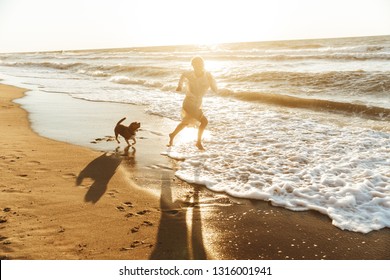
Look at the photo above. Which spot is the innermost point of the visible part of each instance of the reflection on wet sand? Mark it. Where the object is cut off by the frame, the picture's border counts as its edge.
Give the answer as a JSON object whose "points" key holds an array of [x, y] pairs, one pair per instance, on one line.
{"points": [[180, 233]]}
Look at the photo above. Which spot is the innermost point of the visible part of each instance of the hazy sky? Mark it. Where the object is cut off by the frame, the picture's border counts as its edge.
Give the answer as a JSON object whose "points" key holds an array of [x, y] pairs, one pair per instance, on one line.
{"points": [[38, 25]]}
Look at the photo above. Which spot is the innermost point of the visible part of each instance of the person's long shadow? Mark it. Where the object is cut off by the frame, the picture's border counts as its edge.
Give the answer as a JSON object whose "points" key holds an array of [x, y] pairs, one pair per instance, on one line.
{"points": [[173, 240], [198, 249], [100, 170]]}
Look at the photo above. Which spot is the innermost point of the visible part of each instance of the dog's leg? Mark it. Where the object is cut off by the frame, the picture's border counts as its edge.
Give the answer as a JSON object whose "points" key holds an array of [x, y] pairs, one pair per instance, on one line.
{"points": [[133, 138], [127, 141], [116, 137]]}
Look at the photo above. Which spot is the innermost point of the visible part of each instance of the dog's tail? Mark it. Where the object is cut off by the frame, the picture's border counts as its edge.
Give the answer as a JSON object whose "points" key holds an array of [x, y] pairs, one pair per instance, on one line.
{"points": [[120, 121]]}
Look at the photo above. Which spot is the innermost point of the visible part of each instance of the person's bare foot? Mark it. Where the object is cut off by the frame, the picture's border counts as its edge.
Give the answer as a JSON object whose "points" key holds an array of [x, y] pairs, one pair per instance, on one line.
{"points": [[200, 146], [170, 140]]}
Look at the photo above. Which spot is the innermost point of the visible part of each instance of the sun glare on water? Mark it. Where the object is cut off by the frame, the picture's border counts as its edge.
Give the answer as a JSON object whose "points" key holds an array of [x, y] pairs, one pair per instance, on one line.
{"points": [[190, 134]]}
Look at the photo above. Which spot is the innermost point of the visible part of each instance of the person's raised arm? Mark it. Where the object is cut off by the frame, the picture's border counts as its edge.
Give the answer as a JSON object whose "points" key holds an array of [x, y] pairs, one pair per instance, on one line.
{"points": [[213, 83], [181, 81]]}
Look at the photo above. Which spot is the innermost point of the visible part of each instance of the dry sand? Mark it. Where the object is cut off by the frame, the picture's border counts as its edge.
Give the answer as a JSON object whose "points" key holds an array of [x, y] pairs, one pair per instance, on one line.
{"points": [[65, 201]]}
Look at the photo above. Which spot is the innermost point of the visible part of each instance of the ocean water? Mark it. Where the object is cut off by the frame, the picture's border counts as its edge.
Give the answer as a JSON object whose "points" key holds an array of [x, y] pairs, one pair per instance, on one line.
{"points": [[302, 124]]}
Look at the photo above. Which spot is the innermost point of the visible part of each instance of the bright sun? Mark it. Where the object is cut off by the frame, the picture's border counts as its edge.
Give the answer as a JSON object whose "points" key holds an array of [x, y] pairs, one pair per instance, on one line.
{"points": [[205, 22]]}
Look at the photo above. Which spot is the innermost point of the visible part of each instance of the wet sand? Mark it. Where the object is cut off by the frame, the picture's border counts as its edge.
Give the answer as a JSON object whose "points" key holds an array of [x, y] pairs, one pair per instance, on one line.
{"points": [[91, 198]]}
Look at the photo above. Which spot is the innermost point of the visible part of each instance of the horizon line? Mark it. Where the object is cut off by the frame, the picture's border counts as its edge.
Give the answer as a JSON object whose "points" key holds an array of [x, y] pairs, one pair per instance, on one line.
{"points": [[191, 44]]}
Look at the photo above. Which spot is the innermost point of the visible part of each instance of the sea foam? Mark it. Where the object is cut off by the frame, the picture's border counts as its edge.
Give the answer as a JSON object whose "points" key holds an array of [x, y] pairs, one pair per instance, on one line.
{"points": [[299, 164]]}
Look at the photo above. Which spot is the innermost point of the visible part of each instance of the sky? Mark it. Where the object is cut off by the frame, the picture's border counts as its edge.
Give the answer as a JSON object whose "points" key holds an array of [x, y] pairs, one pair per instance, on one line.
{"points": [[44, 25]]}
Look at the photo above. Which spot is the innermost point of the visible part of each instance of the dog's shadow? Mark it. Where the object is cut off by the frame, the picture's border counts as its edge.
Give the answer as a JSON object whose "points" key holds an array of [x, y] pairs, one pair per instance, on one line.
{"points": [[100, 170]]}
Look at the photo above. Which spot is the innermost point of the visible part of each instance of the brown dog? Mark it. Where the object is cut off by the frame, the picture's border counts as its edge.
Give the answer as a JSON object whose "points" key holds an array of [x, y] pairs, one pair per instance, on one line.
{"points": [[127, 132]]}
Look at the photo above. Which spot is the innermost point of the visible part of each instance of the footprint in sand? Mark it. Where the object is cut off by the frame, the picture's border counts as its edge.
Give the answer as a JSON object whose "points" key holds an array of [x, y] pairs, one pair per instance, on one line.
{"points": [[103, 139], [11, 158], [137, 228], [23, 176], [34, 162], [134, 230], [128, 204], [41, 170], [136, 244], [143, 212], [147, 223], [129, 215], [69, 176], [112, 193]]}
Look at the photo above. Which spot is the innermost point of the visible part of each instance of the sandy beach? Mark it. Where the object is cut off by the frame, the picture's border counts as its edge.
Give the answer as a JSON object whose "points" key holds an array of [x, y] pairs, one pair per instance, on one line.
{"points": [[65, 201]]}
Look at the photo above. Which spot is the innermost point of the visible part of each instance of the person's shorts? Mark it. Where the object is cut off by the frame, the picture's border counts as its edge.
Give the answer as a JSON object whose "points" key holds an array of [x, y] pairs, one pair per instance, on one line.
{"points": [[191, 112]]}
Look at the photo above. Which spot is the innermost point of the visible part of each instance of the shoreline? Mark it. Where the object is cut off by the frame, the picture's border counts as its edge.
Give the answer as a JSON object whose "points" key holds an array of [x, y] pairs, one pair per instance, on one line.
{"points": [[65, 201]]}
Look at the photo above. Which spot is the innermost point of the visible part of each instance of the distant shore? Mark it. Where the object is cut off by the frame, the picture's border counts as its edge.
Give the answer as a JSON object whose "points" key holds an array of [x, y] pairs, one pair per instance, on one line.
{"points": [[65, 201]]}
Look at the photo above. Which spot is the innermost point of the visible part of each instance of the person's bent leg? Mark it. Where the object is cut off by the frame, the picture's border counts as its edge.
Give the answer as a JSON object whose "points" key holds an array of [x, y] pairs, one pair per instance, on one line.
{"points": [[178, 128], [203, 124]]}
